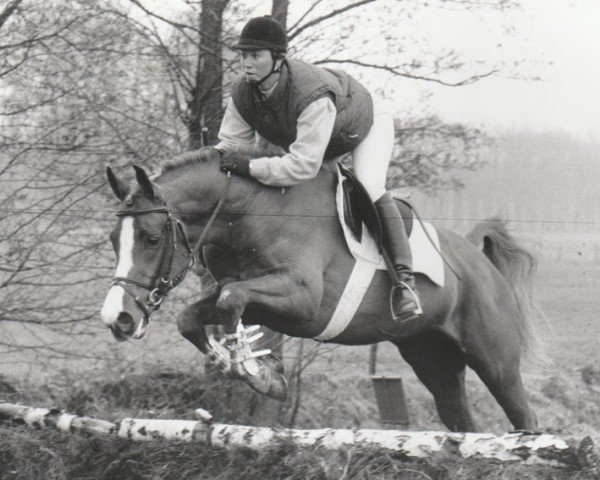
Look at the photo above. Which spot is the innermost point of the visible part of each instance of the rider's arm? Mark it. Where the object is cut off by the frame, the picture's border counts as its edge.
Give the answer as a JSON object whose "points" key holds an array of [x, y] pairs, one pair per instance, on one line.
{"points": [[305, 157], [234, 131]]}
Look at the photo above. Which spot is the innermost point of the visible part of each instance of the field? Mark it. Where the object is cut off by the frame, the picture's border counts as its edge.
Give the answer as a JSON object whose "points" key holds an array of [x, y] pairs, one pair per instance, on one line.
{"points": [[563, 385]]}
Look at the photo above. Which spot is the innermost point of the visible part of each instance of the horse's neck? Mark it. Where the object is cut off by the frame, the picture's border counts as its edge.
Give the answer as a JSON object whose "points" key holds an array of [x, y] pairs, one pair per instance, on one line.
{"points": [[190, 193], [247, 205], [268, 214], [195, 194]]}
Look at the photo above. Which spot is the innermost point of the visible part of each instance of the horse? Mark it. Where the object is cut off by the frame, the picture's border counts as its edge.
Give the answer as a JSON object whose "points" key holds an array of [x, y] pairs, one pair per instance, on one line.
{"points": [[280, 260]]}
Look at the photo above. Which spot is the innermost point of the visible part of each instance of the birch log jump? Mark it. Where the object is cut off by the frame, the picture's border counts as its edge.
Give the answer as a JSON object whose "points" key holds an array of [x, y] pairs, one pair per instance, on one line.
{"points": [[513, 447]]}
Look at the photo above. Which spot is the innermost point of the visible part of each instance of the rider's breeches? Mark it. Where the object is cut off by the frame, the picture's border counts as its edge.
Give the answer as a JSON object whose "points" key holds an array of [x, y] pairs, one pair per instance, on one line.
{"points": [[372, 156], [371, 159]]}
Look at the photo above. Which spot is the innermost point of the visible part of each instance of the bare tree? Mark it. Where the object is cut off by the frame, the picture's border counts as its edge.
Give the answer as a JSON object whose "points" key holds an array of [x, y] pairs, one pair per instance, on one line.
{"points": [[70, 106], [89, 83]]}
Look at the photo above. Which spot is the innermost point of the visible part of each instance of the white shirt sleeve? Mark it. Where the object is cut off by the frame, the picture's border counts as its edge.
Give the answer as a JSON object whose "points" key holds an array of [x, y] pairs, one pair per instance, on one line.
{"points": [[315, 125], [234, 131]]}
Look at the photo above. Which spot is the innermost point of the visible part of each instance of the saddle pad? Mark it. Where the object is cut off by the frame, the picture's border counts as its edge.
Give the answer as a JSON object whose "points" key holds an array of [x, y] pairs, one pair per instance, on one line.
{"points": [[362, 274], [426, 259]]}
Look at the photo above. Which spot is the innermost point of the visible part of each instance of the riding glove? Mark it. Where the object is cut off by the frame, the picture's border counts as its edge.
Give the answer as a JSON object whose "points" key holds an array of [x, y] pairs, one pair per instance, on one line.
{"points": [[235, 164]]}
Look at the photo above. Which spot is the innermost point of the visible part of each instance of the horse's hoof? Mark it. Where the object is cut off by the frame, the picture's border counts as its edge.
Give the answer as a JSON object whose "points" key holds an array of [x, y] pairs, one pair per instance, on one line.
{"points": [[267, 382], [273, 363]]}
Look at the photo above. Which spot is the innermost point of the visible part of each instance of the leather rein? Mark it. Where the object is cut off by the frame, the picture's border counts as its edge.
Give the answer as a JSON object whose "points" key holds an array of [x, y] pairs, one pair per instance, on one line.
{"points": [[162, 282]]}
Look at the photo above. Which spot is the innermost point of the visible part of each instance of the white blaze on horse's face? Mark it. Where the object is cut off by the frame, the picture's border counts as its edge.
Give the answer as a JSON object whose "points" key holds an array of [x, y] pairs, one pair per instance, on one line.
{"points": [[113, 304]]}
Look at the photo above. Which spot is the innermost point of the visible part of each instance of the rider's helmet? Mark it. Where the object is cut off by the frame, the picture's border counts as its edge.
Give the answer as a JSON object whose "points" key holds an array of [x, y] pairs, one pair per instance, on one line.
{"points": [[264, 32]]}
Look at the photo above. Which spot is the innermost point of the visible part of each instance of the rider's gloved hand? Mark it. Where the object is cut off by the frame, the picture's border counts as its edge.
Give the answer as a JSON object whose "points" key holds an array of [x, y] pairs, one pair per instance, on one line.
{"points": [[235, 164]]}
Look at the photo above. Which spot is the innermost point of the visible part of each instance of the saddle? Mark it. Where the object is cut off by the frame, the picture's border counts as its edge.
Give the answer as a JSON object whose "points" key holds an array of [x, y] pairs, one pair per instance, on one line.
{"points": [[359, 209], [355, 208]]}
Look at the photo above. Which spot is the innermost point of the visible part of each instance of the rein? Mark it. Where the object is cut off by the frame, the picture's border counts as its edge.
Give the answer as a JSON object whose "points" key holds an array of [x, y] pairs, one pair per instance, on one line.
{"points": [[161, 284]]}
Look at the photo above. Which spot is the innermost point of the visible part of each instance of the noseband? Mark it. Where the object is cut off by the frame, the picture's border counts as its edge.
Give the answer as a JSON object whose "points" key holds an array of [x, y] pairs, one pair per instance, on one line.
{"points": [[161, 283]]}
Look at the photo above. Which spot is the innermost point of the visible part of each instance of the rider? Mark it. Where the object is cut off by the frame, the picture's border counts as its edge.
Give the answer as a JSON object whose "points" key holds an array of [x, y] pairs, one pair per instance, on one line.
{"points": [[314, 114]]}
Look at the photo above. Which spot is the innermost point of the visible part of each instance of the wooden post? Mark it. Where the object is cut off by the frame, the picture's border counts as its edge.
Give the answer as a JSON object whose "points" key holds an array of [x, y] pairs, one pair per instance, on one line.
{"points": [[391, 401], [373, 359]]}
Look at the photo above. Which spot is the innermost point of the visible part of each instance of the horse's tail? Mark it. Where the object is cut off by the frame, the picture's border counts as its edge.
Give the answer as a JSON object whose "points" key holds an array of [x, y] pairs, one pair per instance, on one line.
{"points": [[518, 267]]}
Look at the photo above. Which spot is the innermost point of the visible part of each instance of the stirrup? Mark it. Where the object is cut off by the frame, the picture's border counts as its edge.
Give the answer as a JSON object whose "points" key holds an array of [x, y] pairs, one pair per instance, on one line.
{"points": [[404, 316], [419, 310]]}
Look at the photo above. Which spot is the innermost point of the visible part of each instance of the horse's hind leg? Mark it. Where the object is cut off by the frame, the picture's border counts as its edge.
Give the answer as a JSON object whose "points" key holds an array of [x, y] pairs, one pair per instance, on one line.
{"points": [[439, 364], [497, 364]]}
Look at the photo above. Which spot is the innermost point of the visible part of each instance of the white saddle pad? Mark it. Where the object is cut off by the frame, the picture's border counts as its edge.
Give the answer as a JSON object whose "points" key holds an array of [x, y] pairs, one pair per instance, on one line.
{"points": [[426, 260]]}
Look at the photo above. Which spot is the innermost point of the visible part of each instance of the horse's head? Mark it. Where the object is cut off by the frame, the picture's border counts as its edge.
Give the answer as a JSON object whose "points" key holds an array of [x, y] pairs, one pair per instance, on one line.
{"points": [[152, 256]]}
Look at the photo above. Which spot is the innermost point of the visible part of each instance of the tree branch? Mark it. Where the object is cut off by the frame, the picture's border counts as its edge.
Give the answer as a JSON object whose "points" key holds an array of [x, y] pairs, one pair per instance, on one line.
{"points": [[331, 14], [395, 71], [305, 14]]}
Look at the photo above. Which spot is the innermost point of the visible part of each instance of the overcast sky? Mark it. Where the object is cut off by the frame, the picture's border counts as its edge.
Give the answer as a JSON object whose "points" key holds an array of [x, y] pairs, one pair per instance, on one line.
{"points": [[561, 41]]}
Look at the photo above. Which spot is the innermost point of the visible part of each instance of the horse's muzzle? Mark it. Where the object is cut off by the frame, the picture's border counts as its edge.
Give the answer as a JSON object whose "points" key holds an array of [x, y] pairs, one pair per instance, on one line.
{"points": [[117, 333], [124, 327]]}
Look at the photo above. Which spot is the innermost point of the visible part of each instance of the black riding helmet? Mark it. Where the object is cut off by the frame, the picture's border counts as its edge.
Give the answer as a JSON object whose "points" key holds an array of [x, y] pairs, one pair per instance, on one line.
{"points": [[264, 33]]}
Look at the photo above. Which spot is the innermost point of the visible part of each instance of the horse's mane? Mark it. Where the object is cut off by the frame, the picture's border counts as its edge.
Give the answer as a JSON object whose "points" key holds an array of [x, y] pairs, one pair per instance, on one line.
{"points": [[211, 154], [202, 155]]}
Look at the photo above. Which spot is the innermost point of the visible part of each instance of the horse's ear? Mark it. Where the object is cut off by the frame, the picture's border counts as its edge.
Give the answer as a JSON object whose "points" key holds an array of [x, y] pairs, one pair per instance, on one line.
{"points": [[144, 181], [118, 186]]}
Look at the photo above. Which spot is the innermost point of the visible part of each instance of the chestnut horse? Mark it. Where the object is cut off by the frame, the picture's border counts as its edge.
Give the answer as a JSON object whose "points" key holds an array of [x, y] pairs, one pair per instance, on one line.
{"points": [[280, 260]]}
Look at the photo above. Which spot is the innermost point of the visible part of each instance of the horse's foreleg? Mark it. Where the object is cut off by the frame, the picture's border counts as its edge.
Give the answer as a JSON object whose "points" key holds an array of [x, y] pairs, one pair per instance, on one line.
{"points": [[191, 323], [277, 292]]}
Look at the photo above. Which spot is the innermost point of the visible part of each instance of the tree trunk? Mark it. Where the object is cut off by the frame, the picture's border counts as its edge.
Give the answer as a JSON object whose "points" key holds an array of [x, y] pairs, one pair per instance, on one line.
{"points": [[205, 106], [279, 11]]}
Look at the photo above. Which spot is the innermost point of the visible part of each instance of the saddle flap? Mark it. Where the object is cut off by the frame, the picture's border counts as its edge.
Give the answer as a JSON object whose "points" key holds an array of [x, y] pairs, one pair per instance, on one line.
{"points": [[359, 208], [352, 216]]}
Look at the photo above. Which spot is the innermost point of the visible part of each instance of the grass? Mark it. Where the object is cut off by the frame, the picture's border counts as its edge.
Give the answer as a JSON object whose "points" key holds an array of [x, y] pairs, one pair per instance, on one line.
{"points": [[44, 455], [336, 393], [29, 454]]}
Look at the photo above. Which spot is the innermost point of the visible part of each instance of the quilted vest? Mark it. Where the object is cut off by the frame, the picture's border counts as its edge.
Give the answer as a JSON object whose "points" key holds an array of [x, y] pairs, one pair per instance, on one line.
{"points": [[300, 84]]}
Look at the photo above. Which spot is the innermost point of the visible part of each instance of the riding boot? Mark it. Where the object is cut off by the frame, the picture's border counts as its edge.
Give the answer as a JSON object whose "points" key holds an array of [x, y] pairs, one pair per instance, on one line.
{"points": [[404, 299]]}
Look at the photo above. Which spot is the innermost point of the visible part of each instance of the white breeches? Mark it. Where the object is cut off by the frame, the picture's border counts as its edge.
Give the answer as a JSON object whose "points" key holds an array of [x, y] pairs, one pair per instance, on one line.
{"points": [[372, 156]]}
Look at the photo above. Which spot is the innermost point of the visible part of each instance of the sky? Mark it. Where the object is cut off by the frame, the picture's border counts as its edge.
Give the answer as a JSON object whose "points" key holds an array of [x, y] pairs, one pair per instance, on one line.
{"points": [[560, 43]]}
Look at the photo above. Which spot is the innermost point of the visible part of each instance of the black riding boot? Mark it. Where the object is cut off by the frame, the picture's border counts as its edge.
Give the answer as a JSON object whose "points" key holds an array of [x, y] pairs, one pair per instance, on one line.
{"points": [[404, 299]]}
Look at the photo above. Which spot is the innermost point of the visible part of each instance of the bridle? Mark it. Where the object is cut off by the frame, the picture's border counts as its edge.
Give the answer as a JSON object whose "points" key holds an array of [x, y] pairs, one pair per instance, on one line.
{"points": [[161, 283]]}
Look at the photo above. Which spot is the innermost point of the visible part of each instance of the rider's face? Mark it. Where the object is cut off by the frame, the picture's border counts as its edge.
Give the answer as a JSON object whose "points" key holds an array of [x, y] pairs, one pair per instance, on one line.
{"points": [[256, 64]]}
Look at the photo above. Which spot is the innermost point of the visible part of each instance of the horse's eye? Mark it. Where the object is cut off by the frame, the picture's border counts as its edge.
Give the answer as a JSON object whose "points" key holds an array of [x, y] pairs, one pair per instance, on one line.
{"points": [[153, 241]]}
